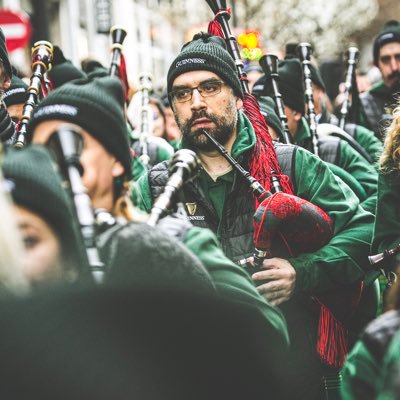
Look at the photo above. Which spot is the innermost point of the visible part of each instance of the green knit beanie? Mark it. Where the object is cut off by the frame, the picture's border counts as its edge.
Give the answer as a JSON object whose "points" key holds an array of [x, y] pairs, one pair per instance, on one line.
{"points": [[17, 92], [62, 70], [96, 105], [206, 53], [389, 33], [267, 108], [291, 85], [35, 185]]}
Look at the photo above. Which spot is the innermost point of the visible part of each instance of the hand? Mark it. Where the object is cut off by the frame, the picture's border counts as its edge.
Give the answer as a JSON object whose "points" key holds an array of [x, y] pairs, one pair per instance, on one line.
{"points": [[280, 279]]}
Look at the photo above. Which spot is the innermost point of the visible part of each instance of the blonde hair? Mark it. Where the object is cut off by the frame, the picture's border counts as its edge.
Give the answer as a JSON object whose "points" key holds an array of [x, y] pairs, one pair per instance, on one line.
{"points": [[124, 208], [390, 158]]}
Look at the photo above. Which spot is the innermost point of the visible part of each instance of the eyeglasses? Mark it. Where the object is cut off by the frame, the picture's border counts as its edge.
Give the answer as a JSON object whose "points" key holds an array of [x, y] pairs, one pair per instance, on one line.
{"points": [[206, 89], [387, 59]]}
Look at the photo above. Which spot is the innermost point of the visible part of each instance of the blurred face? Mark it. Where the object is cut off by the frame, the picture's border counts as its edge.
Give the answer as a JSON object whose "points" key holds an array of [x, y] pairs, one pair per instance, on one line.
{"points": [[158, 121], [42, 257], [293, 120], [15, 111], [100, 168], [217, 113], [5, 80], [389, 63], [171, 128], [318, 96]]}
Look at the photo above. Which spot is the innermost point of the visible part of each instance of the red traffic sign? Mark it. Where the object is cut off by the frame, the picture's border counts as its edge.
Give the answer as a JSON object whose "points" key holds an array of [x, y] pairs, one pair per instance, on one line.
{"points": [[16, 27]]}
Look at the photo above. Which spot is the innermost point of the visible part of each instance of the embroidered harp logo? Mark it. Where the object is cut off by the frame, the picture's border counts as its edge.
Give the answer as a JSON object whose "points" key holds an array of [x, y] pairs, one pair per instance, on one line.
{"points": [[191, 207]]}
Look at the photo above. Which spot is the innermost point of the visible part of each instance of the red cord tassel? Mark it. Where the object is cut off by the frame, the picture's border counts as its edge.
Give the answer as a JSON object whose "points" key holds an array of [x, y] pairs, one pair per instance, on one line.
{"points": [[332, 342], [124, 76]]}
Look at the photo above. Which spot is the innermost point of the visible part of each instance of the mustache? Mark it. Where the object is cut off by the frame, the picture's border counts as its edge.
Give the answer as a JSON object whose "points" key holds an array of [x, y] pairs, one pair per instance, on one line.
{"points": [[201, 114], [395, 74]]}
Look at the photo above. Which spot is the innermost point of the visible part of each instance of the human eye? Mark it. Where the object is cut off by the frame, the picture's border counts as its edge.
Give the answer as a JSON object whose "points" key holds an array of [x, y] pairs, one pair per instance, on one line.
{"points": [[30, 241], [210, 87], [385, 59], [182, 94]]}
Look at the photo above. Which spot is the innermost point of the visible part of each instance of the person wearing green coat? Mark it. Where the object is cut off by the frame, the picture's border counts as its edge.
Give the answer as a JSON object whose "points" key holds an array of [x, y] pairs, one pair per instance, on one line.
{"points": [[379, 101], [206, 93], [330, 149]]}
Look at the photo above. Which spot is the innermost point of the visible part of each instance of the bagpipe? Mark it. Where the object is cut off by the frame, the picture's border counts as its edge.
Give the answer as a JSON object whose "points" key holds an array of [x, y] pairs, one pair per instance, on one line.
{"points": [[145, 87], [117, 65], [304, 51], [269, 65], [42, 54], [352, 56], [284, 224], [182, 167], [67, 144], [280, 216]]}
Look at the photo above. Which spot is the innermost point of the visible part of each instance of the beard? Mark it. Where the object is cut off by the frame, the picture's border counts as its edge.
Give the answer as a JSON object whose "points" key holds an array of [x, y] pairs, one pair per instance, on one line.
{"points": [[225, 126], [394, 79]]}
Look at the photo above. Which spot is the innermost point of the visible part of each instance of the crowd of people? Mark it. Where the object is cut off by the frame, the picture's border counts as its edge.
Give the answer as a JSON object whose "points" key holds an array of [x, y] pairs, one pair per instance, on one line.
{"points": [[255, 282]]}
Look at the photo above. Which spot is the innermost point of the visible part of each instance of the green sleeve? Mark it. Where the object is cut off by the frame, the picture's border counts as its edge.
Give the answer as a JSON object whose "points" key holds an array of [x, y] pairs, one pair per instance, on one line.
{"points": [[138, 169], [387, 221], [164, 151], [141, 194], [387, 380], [341, 260], [367, 139], [359, 374], [231, 281], [352, 162]]}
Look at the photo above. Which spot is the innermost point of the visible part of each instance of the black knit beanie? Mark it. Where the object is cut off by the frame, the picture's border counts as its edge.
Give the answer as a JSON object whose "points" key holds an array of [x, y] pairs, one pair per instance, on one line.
{"points": [[267, 108], [209, 53], [36, 185], [62, 70], [389, 33], [4, 54], [17, 92], [96, 105], [316, 77], [290, 85]]}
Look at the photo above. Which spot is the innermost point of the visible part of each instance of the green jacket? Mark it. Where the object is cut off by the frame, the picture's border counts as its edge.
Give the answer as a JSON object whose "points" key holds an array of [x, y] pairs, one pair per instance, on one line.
{"points": [[367, 139], [231, 281], [387, 222], [348, 159], [363, 367], [377, 106], [359, 373], [388, 381], [342, 260]]}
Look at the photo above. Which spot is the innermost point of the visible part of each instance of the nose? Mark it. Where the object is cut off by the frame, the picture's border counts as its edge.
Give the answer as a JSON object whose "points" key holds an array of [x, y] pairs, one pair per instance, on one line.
{"points": [[197, 102], [394, 64]]}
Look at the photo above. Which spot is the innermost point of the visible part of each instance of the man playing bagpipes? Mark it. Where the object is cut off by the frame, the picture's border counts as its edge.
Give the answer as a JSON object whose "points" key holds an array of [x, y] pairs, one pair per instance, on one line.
{"points": [[206, 94]]}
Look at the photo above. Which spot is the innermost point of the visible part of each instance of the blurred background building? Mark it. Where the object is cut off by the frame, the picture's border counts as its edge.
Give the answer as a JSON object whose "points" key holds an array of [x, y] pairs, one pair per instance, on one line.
{"points": [[158, 28]]}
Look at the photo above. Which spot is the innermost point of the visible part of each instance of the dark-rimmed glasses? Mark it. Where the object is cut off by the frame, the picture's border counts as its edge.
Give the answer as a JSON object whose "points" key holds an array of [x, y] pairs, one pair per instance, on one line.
{"points": [[206, 89]]}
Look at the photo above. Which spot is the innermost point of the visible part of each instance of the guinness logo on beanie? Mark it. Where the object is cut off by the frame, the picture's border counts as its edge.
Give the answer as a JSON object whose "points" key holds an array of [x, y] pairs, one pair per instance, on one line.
{"points": [[96, 105], [205, 52]]}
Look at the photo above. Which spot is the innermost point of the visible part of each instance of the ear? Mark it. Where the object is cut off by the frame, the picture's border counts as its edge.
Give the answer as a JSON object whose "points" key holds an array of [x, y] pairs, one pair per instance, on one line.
{"points": [[117, 169], [7, 83], [239, 103], [297, 116]]}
